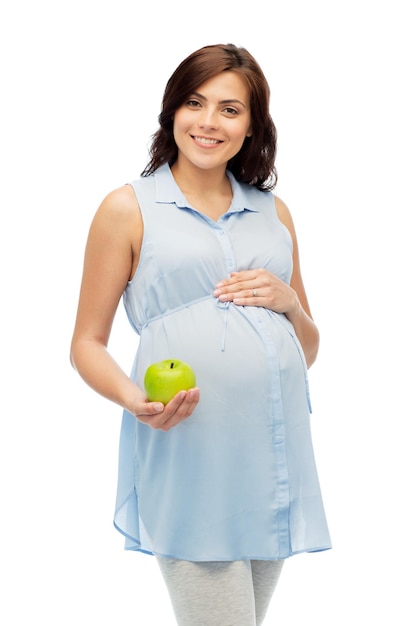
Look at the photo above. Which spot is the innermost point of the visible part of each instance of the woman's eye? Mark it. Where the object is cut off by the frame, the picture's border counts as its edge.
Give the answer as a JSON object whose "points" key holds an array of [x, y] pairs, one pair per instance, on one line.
{"points": [[193, 103], [230, 111]]}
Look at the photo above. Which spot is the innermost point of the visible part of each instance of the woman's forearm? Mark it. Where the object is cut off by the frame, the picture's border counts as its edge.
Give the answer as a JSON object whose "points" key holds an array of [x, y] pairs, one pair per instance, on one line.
{"points": [[102, 373], [307, 333]]}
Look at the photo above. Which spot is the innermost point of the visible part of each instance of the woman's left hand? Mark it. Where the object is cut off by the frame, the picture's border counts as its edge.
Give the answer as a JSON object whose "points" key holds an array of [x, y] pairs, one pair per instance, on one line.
{"points": [[258, 288]]}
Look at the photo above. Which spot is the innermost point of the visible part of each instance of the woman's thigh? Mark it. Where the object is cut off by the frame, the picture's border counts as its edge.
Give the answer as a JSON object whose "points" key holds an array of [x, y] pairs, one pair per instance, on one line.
{"points": [[230, 593], [265, 575]]}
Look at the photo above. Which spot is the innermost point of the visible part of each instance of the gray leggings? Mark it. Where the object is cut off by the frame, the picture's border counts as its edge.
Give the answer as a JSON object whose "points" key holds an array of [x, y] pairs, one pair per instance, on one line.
{"points": [[217, 593]]}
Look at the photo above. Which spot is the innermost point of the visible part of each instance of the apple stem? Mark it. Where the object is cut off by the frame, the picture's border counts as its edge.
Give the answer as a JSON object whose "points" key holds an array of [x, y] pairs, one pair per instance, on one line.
{"points": [[172, 365]]}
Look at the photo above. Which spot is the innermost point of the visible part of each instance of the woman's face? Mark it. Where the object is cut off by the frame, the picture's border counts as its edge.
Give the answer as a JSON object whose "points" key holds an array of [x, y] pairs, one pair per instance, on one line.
{"points": [[211, 126]]}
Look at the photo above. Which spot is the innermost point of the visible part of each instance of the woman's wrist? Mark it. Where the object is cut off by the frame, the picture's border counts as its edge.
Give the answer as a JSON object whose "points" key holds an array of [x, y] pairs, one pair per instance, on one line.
{"points": [[138, 398], [294, 311]]}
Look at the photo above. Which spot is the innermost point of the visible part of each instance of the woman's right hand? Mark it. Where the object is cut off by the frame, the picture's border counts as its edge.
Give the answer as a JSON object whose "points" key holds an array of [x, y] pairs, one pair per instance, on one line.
{"points": [[164, 417]]}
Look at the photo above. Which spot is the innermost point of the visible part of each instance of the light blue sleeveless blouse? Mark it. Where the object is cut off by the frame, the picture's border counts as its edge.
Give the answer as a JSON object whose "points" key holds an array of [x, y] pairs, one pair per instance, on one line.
{"points": [[236, 480]]}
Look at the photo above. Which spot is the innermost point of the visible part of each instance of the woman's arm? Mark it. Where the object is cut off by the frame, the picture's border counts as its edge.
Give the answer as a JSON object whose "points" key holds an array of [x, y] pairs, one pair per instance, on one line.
{"points": [[111, 257], [299, 314]]}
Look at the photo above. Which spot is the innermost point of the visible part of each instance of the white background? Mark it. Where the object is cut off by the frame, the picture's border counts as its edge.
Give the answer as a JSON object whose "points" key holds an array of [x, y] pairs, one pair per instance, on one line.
{"points": [[81, 88]]}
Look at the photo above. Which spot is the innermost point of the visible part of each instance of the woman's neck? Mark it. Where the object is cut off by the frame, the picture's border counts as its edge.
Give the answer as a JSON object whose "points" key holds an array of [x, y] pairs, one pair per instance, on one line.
{"points": [[195, 178], [208, 191]]}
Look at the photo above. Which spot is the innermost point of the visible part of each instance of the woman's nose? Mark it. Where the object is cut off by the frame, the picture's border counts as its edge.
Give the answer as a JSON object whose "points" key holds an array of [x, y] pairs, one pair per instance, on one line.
{"points": [[208, 119]]}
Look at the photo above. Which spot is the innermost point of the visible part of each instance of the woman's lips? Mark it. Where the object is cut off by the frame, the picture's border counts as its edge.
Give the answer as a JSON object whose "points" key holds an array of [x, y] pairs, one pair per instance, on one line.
{"points": [[206, 141]]}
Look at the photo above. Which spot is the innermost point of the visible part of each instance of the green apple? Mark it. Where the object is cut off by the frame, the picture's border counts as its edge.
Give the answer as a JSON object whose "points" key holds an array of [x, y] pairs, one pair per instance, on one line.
{"points": [[163, 380]]}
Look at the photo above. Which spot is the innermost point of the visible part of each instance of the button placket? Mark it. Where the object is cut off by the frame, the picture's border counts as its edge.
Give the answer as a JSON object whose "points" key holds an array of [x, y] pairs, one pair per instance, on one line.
{"points": [[230, 260]]}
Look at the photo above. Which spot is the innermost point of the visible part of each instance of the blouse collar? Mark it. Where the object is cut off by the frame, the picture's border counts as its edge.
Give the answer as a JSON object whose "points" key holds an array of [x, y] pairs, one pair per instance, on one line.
{"points": [[167, 191]]}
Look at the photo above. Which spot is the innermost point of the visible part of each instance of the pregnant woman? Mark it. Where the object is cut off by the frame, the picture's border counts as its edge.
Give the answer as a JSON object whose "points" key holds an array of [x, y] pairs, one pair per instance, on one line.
{"points": [[220, 484]]}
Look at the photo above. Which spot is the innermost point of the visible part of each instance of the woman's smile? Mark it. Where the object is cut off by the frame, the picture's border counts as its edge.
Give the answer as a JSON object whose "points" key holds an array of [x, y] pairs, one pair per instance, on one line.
{"points": [[217, 118], [206, 140]]}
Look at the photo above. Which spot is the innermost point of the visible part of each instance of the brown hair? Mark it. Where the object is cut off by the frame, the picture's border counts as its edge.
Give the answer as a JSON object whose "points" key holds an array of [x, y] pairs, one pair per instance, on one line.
{"points": [[255, 162]]}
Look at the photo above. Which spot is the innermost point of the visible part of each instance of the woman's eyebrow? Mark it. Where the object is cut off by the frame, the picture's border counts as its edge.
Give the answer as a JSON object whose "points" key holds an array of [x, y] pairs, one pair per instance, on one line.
{"points": [[228, 101]]}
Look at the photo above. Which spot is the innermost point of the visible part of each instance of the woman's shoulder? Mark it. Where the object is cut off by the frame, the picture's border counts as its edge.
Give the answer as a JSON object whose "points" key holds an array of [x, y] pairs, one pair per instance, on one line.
{"points": [[121, 199], [284, 215], [119, 204], [282, 209], [118, 214]]}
